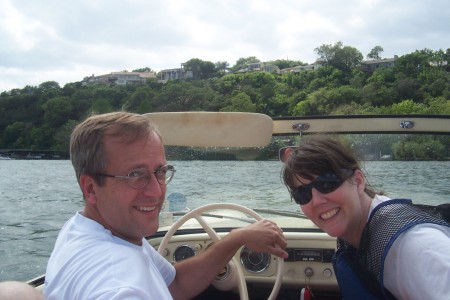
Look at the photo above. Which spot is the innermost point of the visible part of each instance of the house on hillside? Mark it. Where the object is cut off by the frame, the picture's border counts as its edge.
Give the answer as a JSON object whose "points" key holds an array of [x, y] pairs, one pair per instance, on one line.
{"points": [[119, 78], [271, 69], [255, 67], [298, 69], [175, 74], [372, 65]]}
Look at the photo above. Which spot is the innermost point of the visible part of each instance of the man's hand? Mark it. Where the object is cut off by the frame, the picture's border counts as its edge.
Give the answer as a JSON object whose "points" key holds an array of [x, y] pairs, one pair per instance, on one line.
{"points": [[263, 236]]}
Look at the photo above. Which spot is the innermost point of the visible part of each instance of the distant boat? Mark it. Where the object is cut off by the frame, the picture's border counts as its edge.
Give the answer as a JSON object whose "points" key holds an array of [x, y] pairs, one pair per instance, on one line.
{"points": [[33, 156]]}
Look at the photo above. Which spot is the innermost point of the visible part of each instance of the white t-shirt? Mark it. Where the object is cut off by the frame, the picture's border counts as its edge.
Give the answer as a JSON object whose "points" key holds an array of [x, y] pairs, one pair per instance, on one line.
{"points": [[88, 262], [418, 263]]}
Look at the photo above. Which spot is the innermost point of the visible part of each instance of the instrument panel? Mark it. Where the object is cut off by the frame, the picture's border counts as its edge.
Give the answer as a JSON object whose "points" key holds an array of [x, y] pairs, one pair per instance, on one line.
{"points": [[309, 262], [254, 262], [311, 255]]}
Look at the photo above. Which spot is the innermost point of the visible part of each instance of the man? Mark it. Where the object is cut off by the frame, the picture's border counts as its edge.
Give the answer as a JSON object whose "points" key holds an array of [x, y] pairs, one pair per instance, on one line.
{"points": [[101, 252], [16, 290]]}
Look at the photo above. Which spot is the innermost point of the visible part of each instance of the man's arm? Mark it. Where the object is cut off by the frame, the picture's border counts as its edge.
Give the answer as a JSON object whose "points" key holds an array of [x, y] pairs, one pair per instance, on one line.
{"points": [[197, 273]]}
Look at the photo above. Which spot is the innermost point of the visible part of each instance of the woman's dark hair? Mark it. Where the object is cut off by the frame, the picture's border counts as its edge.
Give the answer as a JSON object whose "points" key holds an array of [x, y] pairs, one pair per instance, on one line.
{"points": [[318, 154]]}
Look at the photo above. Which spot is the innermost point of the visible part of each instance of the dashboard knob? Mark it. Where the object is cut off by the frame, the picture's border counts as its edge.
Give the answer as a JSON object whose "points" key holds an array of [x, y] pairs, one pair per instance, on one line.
{"points": [[327, 273], [309, 272]]}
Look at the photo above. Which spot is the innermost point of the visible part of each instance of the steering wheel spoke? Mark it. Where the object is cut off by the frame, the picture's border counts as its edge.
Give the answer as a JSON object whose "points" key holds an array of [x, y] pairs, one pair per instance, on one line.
{"points": [[197, 214]]}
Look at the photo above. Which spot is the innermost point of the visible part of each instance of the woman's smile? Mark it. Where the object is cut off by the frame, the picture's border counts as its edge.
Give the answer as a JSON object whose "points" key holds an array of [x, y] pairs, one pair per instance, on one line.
{"points": [[329, 214]]}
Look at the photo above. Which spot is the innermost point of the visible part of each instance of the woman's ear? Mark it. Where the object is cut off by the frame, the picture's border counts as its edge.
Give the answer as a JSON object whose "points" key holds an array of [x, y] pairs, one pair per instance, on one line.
{"points": [[360, 180], [87, 184]]}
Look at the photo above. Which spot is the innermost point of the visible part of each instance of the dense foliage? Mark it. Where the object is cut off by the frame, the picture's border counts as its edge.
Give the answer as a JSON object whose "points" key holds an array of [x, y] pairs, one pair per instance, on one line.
{"points": [[42, 117]]}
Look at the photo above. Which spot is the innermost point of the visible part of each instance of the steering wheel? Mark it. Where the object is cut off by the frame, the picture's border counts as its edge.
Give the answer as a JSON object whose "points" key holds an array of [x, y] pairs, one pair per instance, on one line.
{"points": [[197, 214]]}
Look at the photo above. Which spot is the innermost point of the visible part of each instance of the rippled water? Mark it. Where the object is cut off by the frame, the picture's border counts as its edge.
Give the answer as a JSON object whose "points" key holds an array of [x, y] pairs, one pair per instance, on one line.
{"points": [[37, 197]]}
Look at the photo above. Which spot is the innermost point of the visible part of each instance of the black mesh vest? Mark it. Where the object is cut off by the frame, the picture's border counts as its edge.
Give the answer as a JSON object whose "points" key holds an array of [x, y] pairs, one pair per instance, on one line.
{"points": [[386, 222]]}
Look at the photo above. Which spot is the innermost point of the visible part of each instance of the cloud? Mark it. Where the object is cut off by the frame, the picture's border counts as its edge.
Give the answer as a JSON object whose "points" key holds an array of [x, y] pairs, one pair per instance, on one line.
{"points": [[65, 41]]}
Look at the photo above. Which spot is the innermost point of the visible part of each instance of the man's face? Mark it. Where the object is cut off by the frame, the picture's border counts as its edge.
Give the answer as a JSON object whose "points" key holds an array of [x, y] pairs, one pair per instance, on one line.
{"points": [[129, 213]]}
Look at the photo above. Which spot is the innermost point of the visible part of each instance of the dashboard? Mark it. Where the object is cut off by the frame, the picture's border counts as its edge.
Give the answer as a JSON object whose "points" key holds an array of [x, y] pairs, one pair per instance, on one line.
{"points": [[309, 263]]}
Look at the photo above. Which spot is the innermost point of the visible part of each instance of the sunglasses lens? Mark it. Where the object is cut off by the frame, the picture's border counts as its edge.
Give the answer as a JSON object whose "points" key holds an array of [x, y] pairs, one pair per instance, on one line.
{"points": [[302, 195], [327, 186]]}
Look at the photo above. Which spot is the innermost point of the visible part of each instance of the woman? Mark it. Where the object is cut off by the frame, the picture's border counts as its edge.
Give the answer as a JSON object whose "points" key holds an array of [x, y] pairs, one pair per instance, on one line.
{"points": [[387, 248]]}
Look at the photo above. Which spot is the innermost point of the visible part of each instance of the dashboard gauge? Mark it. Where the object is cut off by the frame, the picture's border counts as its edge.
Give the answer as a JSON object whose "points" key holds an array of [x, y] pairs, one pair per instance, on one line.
{"points": [[254, 262], [183, 252]]}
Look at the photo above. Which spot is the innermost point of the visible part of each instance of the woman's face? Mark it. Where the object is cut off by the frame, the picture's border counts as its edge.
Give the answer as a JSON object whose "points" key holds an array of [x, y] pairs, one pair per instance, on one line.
{"points": [[341, 213]]}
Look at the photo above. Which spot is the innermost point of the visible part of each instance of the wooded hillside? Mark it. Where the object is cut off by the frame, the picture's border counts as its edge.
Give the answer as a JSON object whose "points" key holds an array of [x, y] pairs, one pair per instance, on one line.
{"points": [[42, 117]]}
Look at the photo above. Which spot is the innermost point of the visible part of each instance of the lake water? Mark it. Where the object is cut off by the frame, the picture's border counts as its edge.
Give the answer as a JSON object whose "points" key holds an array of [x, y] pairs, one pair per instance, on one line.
{"points": [[38, 196]]}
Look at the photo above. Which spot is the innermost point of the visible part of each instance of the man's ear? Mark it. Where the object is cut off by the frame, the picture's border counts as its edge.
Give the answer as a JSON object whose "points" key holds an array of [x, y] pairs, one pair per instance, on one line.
{"points": [[88, 185]]}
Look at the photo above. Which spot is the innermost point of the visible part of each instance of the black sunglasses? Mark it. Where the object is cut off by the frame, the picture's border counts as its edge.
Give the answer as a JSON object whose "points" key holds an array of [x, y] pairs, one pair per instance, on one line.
{"points": [[284, 152], [325, 183]]}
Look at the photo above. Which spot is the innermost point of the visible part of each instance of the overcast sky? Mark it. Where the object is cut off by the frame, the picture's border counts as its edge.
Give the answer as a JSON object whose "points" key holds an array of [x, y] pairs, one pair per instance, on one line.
{"points": [[64, 41]]}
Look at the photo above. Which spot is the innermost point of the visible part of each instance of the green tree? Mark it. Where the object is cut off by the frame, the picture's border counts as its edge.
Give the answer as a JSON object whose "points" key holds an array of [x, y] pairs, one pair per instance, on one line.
{"points": [[240, 102], [41, 137], [49, 89], [407, 107], [222, 66], [434, 82], [115, 95], [378, 90], [200, 69], [286, 63], [144, 107], [339, 56], [21, 106], [81, 101], [57, 111], [143, 70], [375, 53], [344, 95], [62, 136], [419, 148], [183, 96], [101, 106], [243, 62], [408, 88], [14, 135], [142, 95], [411, 65], [377, 95], [304, 108], [438, 106]]}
